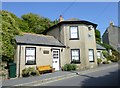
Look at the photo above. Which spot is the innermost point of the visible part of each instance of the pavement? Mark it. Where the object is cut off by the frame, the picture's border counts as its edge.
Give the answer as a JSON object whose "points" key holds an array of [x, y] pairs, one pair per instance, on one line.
{"points": [[59, 75]]}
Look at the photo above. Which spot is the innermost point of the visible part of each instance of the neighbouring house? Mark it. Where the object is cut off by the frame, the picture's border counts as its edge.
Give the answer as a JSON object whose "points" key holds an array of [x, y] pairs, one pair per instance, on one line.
{"points": [[79, 38], [112, 36], [99, 51], [69, 41], [38, 50]]}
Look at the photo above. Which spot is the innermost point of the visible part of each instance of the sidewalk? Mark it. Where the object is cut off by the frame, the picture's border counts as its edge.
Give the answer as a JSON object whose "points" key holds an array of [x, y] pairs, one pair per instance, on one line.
{"points": [[30, 81]]}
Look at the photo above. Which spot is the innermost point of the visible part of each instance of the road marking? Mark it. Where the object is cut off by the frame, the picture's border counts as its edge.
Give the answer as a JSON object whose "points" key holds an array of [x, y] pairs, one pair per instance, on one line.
{"points": [[58, 78], [55, 80], [94, 70], [47, 79]]}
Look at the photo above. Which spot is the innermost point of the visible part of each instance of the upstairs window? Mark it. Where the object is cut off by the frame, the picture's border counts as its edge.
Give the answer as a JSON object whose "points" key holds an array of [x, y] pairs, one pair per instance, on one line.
{"points": [[74, 32]]}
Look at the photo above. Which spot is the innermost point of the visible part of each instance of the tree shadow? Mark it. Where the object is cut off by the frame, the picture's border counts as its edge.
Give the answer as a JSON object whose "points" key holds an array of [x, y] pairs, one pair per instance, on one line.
{"points": [[110, 80]]}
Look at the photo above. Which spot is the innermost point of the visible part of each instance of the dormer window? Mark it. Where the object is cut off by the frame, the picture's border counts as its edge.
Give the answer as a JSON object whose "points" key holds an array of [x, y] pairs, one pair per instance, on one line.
{"points": [[74, 32]]}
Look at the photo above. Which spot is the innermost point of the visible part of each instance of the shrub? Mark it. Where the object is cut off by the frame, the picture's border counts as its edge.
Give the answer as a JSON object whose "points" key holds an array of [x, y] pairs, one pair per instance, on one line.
{"points": [[105, 62], [69, 67], [25, 72], [113, 58], [30, 71], [105, 54], [73, 67], [99, 60]]}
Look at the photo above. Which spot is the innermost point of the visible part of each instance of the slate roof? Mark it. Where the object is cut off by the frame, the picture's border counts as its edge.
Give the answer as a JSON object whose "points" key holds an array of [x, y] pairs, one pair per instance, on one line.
{"points": [[37, 39], [73, 19], [70, 21], [99, 47]]}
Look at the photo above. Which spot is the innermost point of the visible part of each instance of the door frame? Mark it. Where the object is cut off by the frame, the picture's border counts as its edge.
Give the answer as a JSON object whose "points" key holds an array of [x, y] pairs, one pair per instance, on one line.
{"points": [[59, 57]]}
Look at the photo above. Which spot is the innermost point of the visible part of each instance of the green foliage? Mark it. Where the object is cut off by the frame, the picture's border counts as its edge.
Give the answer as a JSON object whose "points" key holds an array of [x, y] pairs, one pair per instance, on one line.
{"points": [[25, 72], [36, 24], [105, 53], [114, 58], [99, 60], [73, 67], [108, 47], [10, 28], [97, 35], [69, 67], [116, 55], [12, 25], [30, 71], [106, 62]]}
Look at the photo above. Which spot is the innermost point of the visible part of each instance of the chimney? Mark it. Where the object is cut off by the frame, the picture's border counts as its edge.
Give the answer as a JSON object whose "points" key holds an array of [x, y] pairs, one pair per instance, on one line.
{"points": [[61, 18], [111, 23]]}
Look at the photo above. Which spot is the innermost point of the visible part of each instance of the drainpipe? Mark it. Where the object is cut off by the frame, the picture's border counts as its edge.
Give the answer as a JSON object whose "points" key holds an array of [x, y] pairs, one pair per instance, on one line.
{"points": [[19, 61]]}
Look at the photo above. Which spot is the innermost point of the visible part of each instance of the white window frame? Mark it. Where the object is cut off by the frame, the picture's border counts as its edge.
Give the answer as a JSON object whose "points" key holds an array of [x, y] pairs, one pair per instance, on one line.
{"points": [[75, 55], [98, 54], [30, 55], [91, 55], [74, 32]]}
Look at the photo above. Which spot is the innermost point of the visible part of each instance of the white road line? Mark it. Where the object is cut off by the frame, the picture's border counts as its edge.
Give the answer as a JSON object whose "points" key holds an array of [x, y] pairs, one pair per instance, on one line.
{"points": [[65, 76], [55, 80], [94, 70], [42, 80]]}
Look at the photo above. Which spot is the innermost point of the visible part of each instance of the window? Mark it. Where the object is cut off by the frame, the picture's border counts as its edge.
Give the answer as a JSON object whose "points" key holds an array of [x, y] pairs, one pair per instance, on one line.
{"points": [[46, 52], [75, 56], [74, 32], [30, 56], [98, 54], [91, 55]]}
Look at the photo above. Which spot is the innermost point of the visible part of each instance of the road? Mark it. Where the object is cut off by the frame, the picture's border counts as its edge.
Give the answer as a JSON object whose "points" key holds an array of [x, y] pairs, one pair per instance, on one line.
{"points": [[107, 76]]}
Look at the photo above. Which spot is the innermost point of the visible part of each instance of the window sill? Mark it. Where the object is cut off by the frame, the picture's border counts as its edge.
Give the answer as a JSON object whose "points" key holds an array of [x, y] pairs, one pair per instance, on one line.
{"points": [[75, 62], [30, 64], [74, 39], [91, 61]]}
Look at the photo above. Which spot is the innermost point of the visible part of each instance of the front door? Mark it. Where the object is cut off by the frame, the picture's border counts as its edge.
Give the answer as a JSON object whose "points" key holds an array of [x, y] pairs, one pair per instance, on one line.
{"points": [[55, 55]]}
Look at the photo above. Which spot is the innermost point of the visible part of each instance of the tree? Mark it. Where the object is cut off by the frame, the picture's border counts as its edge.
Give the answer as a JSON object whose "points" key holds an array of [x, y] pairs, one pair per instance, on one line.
{"points": [[36, 24], [97, 36], [12, 25], [10, 28]]}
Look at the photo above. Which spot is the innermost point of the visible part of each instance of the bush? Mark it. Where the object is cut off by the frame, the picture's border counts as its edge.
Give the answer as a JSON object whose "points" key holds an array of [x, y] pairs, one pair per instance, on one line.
{"points": [[25, 72], [30, 71], [105, 54], [69, 67], [99, 60], [105, 62], [73, 67], [114, 58]]}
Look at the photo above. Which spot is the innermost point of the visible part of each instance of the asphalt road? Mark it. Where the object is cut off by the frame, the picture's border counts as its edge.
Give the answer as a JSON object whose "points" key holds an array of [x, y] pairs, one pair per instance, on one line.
{"points": [[107, 76]]}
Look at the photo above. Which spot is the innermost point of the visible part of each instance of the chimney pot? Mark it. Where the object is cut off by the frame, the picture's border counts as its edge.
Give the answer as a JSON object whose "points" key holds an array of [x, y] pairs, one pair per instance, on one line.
{"points": [[111, 23], [61, 18]]}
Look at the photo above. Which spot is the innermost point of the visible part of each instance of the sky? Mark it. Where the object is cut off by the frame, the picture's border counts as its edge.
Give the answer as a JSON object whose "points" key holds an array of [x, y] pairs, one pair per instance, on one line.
{"points": [[100, 13]]}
